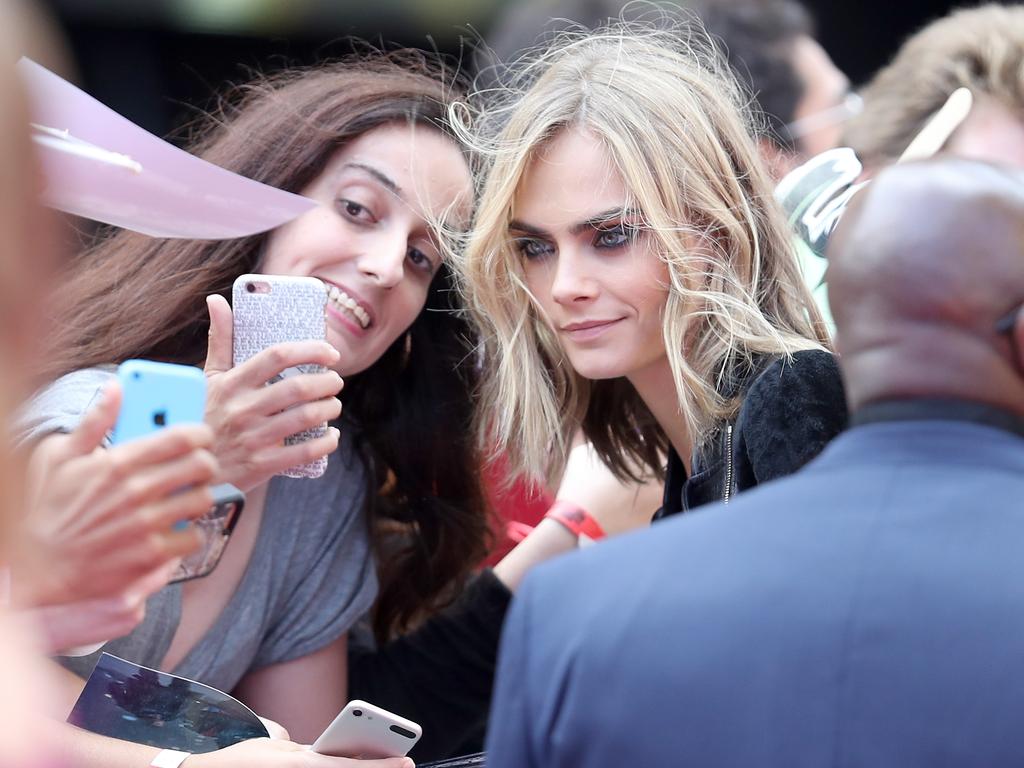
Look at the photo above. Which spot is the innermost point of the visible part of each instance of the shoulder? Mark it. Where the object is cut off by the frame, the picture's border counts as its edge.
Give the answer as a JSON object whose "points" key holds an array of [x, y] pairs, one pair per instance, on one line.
{"points": [[59, 406], [795, 406], [811, 369], [808, 382]]}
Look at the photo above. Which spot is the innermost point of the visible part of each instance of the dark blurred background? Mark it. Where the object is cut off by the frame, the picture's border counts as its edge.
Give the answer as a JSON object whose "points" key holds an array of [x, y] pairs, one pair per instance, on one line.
{"points": [[158, 61]]}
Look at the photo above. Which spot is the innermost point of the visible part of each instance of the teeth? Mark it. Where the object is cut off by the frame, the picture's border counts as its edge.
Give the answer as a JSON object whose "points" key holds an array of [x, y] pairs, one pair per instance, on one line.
{"points": [[344, 301]]}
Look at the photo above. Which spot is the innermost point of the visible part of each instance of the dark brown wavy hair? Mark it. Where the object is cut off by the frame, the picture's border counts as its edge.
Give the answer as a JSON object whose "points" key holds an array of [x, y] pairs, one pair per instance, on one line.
{"points": [[132, 296]]}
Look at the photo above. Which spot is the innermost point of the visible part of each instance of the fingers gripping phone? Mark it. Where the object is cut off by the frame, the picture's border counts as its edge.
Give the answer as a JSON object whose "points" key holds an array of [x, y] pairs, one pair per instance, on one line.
{"points": [[159, 395], [362, 730], [272, 309]]}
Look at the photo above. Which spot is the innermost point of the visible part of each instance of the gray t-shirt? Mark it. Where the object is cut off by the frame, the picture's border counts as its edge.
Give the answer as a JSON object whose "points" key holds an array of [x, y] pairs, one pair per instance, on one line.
{"points": [[310, 577]]}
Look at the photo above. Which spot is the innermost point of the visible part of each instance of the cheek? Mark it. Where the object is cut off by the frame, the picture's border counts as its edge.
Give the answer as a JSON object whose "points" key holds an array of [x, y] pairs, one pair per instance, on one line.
{"points": [[538, 277], [276, 258], [406, 307]]}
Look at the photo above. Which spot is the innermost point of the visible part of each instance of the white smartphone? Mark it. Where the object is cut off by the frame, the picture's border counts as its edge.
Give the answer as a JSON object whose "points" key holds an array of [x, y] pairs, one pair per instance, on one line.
{"points": [[362, 730], [270, 309]]}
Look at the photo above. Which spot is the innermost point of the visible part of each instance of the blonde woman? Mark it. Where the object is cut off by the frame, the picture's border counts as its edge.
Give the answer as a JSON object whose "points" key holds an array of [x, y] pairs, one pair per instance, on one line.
{"points": [[630, 274]]}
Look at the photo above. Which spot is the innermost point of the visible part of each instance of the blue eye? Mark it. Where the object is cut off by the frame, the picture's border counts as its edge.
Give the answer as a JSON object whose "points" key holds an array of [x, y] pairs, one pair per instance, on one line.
{"points": [[614, 237], [531, 248]]}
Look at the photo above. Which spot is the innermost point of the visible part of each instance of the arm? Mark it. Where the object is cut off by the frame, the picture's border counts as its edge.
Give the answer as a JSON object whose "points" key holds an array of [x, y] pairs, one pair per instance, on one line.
{"points": [[89, 750], [441, 675], [304, 694]]}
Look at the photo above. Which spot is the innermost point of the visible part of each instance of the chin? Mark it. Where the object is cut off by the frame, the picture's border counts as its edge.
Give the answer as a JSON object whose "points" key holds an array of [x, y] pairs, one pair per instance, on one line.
{"points": [[598, 370]]}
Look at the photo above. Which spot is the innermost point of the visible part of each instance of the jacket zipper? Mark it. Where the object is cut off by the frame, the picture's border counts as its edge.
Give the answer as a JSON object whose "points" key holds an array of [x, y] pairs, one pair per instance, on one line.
{"points": [[728, 463]]}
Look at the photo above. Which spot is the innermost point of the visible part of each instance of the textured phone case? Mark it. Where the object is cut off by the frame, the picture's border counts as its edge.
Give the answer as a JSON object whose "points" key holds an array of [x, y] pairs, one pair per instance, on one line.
{"points": [[275, 310]]}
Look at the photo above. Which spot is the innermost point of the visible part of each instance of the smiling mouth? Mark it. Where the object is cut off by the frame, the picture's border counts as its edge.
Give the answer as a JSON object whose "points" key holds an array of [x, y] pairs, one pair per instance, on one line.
{"points": [[588, 325], [342, 302]]}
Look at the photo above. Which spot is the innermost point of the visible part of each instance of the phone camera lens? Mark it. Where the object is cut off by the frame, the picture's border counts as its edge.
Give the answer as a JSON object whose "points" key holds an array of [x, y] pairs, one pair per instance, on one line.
{"points": [[160, 418], [250, 287], [136, 375], [357, 713]]}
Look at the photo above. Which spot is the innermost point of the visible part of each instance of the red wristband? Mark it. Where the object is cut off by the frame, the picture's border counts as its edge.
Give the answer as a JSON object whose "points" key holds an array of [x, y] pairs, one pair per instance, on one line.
{"points": [[577, 520]]}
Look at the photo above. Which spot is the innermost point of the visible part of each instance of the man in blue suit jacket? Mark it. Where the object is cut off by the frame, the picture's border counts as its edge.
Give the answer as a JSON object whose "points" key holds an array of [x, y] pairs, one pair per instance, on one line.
{"points": [[868, 611]]}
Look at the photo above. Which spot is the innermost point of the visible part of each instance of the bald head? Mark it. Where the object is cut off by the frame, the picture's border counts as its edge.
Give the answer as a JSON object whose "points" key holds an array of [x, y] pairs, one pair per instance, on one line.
{"points": [[923, 266]]}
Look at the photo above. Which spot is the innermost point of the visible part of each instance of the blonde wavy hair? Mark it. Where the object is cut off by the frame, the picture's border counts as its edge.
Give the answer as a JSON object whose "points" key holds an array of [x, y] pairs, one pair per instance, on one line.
{"points": [[674, 121]]}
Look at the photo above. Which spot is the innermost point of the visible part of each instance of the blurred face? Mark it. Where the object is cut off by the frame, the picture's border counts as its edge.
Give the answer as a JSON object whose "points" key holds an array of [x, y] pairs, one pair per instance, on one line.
{"points": [[370, 240], [822, 109], [586, 261]]}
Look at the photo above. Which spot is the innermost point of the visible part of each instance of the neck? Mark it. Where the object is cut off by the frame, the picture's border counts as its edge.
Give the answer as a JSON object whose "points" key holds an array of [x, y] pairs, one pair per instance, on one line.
{"points": [[657, 389], [964, 372]]}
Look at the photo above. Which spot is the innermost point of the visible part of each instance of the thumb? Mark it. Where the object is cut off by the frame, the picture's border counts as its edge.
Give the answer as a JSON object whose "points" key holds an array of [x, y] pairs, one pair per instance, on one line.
{"points": [[96, 423], [219, 355]]}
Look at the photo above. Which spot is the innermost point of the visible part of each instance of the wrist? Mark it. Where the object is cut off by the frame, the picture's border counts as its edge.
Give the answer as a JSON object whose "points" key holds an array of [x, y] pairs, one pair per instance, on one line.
{"points": [[171, 758], [576, 520]]}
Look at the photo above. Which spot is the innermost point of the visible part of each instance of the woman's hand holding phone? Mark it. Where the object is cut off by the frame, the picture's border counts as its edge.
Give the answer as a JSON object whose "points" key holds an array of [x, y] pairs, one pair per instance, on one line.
{"points": [[100, 522], [251, 420], [271, 753]]}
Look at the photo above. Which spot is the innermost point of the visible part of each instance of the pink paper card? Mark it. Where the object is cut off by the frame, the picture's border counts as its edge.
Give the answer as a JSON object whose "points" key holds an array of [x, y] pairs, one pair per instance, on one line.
{"points": [[102, 166]]}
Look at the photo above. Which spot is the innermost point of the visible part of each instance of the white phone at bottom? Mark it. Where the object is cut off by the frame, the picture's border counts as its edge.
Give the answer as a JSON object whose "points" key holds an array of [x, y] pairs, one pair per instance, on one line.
{"points": [[363, 730]]}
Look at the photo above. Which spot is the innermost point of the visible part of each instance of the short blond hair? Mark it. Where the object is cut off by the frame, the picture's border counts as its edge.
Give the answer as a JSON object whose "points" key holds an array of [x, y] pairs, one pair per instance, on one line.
{"points": [[978, 48], [671, 116]]}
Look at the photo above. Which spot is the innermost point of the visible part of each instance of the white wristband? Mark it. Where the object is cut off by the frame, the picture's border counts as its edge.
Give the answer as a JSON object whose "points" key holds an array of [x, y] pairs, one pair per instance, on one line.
{"points": [[169, 758]]}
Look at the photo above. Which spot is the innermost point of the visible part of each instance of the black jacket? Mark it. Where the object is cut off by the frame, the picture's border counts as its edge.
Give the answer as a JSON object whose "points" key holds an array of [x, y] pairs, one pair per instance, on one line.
{"points": [[790, 411]]}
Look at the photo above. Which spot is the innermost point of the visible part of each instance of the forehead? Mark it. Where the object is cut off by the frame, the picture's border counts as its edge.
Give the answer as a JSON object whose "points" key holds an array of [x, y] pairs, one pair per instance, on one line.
{"points": [[426, 166], [823, 82], [569, 179]]}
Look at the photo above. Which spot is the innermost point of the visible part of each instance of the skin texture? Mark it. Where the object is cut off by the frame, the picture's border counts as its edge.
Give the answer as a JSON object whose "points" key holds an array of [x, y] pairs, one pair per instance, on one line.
{"points": [[371, 235], [584, 264], [583, 273], [926, 261]]}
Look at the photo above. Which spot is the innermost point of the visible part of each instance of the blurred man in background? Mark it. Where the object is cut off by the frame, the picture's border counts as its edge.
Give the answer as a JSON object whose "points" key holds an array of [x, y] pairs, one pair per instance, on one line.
{"points": [[981, 49], [770, 47]]}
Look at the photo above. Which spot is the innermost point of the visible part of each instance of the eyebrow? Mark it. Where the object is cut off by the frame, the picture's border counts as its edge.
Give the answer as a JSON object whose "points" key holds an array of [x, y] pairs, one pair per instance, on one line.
{"points": [[593, 222], [386, 181]]}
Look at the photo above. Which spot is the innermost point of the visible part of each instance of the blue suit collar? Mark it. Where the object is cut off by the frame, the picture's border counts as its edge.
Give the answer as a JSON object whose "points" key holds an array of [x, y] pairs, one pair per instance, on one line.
{"points": [[931, 432], [939, 409]]}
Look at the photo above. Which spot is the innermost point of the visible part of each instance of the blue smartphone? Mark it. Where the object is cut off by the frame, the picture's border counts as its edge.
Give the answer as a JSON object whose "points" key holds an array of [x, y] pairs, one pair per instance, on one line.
{"points": [[158, 395]]}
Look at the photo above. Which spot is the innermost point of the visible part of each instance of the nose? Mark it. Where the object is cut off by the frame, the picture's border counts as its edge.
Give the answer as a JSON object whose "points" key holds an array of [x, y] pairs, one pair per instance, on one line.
{"points": [[572, 281], [383, 260]]}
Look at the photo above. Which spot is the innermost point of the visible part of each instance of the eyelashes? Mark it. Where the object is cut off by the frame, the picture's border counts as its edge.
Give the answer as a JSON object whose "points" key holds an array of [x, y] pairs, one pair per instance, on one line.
{"points": [[605, 238]]}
